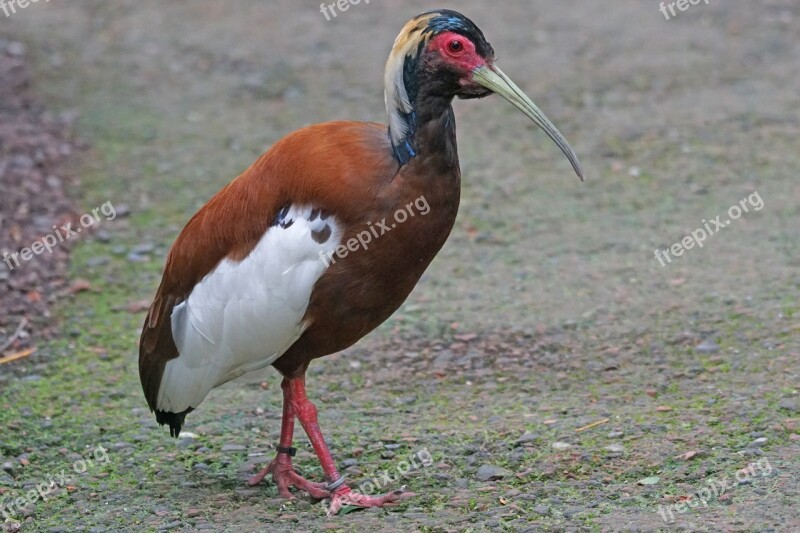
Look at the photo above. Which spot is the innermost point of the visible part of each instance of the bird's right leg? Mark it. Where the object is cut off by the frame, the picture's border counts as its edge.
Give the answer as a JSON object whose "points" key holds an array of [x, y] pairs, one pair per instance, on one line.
{"points": [[281, 467]]}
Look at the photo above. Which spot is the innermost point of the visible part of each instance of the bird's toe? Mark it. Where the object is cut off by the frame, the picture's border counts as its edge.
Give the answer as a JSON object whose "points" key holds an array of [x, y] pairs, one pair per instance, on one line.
{"points": [[346, 497]]}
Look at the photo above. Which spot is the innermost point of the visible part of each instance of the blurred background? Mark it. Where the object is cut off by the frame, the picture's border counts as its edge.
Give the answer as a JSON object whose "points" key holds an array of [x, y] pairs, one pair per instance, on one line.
{"points": [[547, 311]]}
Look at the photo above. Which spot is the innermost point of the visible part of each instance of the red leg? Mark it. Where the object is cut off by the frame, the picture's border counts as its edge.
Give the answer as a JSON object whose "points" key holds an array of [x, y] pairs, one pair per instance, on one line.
{"points": [[281, 467], [341, 495]]}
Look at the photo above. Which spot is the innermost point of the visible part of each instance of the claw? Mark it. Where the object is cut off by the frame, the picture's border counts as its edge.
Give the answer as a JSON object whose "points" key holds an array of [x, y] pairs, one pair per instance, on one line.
{"points": [[285, 477], [345, 496]]}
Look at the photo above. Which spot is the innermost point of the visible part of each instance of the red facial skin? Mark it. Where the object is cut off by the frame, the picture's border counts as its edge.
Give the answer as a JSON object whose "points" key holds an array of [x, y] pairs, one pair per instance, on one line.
{"points": [[458, 51]]}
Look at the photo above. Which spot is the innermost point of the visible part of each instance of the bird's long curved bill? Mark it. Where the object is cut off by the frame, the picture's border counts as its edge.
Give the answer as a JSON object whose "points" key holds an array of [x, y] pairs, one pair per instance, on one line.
{"points": [[496, 81]]}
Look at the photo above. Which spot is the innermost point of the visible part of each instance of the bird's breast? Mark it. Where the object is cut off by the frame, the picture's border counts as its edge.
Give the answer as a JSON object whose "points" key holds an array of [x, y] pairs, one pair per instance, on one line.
{"points": [[373, 269]]}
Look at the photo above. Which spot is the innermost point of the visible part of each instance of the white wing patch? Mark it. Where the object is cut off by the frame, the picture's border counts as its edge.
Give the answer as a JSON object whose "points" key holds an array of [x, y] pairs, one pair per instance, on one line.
{"points": [[244, 315]]}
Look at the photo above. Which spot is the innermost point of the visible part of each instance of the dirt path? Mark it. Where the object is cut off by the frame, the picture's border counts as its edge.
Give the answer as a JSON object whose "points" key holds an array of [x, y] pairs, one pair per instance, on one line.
{"points": [[546, 312]]}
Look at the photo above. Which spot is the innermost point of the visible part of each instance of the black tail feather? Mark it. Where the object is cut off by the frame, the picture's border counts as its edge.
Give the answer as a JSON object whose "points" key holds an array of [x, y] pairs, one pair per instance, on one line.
{"points": [[174, 420]]}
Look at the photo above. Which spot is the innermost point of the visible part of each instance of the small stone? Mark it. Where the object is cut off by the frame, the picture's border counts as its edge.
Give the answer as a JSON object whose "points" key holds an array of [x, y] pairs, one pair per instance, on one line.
{"points": [[790, 404], [354, 471], [491, 472], [97, 261], [527, 437], [561, 446], [759, 442], [120, 446], [7, 467], [707, 346], [186, 443], [234, 448], [15, 48], [542, 510], [387, 454], [615, 448], [144, 248], [200, 466], [615, 434]]}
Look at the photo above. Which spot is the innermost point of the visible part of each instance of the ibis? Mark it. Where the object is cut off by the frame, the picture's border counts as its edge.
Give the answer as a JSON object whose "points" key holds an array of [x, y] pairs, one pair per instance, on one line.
{"points": [[305, 252]]}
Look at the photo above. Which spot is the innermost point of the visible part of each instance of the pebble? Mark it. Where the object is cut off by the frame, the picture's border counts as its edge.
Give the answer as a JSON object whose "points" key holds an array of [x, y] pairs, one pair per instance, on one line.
{"points": [[759, 442], [615, 448], [790, 404], [103, 235], [234, 448], [97, 261], [615, 434], [186, 443], [707, 346], [22, 162], [144, 248], [354, 471], [491, 472], [561, 446], [387, 454], [15, 48], [120, 446], [136, 258], [542, 510], [7, 467], [527, 437]]}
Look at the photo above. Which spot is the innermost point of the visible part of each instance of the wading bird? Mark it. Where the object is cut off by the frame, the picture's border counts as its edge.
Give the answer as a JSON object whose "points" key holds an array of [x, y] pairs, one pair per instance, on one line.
{"points": [[273, 270]]}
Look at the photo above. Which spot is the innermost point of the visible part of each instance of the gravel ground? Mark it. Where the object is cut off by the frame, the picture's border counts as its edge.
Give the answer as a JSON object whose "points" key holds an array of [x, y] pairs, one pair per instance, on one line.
{"points": [[548, 374], [35, 147]]}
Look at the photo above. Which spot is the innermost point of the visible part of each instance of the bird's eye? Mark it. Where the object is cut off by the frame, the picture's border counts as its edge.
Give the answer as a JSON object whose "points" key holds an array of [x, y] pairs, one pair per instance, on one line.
{"points": [[455, 47]]}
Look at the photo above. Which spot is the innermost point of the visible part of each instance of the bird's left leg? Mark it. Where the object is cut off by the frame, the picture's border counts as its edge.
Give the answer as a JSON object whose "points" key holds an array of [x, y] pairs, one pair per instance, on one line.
{"points": [[281, 467], [340, 494]]}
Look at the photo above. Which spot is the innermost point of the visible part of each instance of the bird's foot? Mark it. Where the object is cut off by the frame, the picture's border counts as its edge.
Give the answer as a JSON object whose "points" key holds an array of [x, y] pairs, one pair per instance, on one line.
{"points": [[284, 476], [344, 496]]}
